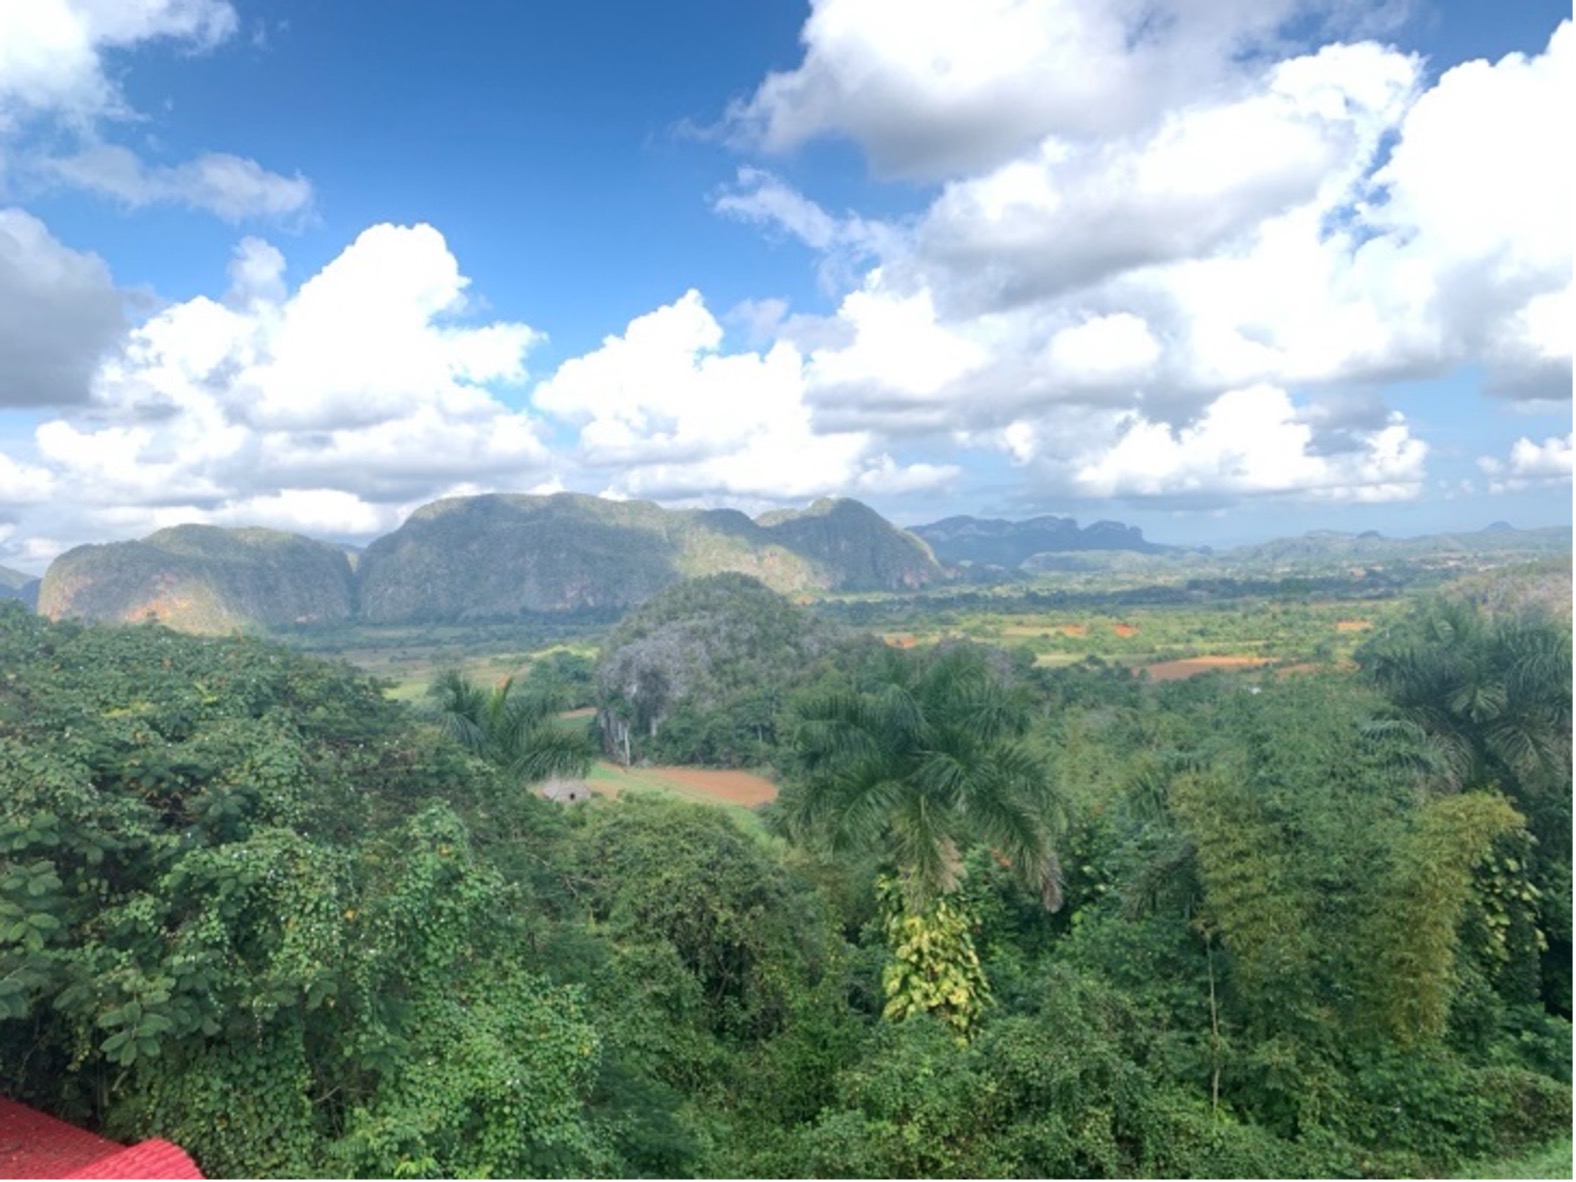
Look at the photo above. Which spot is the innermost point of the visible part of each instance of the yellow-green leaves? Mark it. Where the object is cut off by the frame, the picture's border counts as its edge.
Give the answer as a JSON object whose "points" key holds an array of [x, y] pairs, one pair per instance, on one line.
{"points": [[1421, 898], [935, 968]]}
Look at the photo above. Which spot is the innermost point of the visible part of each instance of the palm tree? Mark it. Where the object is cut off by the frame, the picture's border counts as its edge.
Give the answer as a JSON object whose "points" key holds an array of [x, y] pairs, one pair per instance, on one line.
{"points": [[936, 757], [513, 731], [1491, 694]]}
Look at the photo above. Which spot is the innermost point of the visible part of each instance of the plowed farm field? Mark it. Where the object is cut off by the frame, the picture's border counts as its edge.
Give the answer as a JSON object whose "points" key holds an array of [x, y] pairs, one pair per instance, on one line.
{"points": [[707, 785], [1189, 666]]}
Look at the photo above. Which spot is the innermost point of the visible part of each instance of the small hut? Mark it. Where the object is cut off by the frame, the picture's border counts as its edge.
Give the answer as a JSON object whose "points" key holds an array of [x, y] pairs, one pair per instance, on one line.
{"points": [[566, 791]]}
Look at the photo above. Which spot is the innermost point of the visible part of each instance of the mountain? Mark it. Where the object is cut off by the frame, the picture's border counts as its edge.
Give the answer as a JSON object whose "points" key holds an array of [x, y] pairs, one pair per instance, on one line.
{"points": [[1323, 546], [715, 655], [996, 542], [201, 578], [494, 557], [864, 550], [499, 556], [15, 584]]}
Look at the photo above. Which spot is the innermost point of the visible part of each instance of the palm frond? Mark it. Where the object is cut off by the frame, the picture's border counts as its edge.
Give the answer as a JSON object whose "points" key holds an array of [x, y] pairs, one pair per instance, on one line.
{"points": [[547, 751], [926, 850]]}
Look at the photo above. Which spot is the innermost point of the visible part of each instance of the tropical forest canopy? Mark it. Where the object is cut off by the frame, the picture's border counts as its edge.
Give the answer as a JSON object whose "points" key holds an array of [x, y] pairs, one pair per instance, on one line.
{"points": [[1005, 918]]}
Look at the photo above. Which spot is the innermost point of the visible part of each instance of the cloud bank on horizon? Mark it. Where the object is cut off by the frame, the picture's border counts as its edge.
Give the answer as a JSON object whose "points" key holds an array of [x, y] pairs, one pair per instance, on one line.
{"points": [[1164, 255]]}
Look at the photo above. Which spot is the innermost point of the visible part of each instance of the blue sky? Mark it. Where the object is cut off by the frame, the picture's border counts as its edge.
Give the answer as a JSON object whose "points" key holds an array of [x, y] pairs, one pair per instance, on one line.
{"points": [[1224, 270]]}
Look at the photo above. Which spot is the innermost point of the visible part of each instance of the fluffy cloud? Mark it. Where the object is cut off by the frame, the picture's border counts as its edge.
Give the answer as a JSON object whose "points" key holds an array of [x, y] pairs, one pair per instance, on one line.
{"points": [[1117, 350], [23, 484], [338, 406], [1253, 442], [939, 89], [674, 416], [899, 365], [1551, 458], [759, 197], [53, 77], [1475, 199], [1148, 211], [1066, 216], [51, 50], [59, 313], [1529, 463]]}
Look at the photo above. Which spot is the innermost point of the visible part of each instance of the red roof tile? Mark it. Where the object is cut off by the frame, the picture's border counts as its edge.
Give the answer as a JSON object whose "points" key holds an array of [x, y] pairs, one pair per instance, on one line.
{"points": [[147, 1159], [34, 1145]]}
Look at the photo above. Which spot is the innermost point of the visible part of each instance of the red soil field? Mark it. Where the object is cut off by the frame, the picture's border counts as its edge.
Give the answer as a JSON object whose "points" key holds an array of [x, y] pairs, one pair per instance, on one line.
{"points": [[707, 785], [1188, 667], [731, 787]]}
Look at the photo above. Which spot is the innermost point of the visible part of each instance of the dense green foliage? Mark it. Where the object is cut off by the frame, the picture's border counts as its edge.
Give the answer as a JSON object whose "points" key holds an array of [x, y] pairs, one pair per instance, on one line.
{"points": [[926, 761], [239, 910], [1491, 696], [249, 903]]}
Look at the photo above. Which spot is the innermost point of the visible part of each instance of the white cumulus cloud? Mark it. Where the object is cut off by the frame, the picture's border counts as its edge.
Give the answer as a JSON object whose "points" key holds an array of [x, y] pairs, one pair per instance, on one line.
{"points": [[1529, 463], [24, 484], [936, 89], [675, 416], [51, 50], [339, 405], [1142, 210], [1253, 441]]}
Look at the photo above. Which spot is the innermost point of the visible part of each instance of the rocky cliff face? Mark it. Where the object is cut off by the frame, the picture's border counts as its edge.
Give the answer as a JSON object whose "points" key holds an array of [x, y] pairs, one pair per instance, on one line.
{"points": [[500, 556], [865, 550], [496, 557], [200, 578]]}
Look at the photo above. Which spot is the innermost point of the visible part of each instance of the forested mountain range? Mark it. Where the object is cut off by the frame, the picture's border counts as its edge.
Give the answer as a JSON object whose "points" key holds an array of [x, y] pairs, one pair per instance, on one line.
{"points": [[502, 557], [494, 557], [1371, 545]]}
